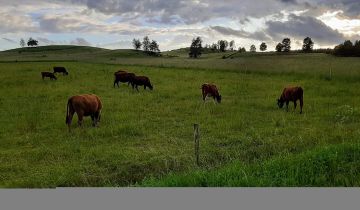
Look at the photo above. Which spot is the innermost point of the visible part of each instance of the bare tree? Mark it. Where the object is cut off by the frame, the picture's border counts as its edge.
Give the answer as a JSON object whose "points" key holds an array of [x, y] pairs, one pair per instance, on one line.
{"points": [[136, 44]]}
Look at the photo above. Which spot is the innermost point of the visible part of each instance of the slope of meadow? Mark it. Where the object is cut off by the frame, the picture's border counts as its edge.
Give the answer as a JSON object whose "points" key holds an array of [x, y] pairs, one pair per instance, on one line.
{"points": [[149, 133]]}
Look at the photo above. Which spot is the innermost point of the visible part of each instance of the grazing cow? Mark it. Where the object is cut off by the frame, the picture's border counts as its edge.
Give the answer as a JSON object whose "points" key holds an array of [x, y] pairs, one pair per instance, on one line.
{"points": [[48, 74], [60, 70], [141, 81], [291, 94], [210, 90], [123, 77], [83, 105]]}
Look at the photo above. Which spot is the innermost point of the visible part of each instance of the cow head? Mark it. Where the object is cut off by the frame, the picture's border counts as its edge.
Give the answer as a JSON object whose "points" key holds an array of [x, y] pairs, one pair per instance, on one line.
{"points": [[218, 98], [66, 73], [280, 103], [150, 86]]}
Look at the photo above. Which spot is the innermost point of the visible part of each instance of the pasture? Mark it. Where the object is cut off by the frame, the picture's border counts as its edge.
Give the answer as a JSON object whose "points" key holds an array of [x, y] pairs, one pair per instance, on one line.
{"points": [[148, 134]]}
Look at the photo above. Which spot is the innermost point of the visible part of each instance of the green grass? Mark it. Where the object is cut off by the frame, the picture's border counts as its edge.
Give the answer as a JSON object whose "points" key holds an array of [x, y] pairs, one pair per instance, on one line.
{"points": [[321, 167], [149, 133]]}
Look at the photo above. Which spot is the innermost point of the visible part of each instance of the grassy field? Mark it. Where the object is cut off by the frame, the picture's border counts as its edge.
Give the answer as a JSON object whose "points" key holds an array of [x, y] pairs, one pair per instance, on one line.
{"points": [[148, 134]]}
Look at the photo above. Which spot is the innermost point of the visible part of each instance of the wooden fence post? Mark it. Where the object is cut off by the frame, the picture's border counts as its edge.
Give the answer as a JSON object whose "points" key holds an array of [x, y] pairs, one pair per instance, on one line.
{"points": [[197, 142]]}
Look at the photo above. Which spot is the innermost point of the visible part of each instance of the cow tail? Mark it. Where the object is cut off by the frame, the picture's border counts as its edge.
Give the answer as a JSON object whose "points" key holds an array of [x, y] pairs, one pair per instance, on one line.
{"points": [[67, 111]]}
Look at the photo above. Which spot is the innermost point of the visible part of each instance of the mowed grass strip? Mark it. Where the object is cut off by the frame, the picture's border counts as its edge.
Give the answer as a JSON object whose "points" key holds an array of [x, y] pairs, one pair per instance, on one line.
{"points": [[149, 133]]}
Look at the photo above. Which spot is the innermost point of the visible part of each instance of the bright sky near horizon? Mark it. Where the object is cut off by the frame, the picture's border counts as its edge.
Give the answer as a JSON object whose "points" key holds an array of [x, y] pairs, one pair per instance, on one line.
{"points": [[173, 24]]}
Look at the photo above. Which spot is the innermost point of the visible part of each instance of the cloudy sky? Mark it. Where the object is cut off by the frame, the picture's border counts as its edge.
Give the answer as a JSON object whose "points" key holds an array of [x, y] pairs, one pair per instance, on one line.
{"points": [[113, 24]]}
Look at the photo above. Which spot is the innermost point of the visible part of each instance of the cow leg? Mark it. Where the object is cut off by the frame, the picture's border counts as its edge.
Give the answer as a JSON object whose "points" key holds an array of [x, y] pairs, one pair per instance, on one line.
{"points": [[136, 86], [144, 87], [301, 104], [80, 118], [295, 104], [93, 119], [287, 105], [96, 118]]}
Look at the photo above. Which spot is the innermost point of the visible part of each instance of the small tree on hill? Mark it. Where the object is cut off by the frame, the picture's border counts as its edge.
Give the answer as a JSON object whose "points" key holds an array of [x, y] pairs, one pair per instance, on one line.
{"points": [[146, 44], [279, 47], [286, 45], [154, 48], [232, 45], [136, 44], [252, 48], [242, 49], [308, 45], [195, 48], [22, 42], [223, 44], [263, 46], [32, 42]]}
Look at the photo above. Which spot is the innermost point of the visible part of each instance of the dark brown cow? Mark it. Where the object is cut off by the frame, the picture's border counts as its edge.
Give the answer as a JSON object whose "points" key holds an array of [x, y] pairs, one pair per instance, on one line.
{"points": [[210, 90], [60, 69], [291, 94], [83, 105], [123, 77], [48, 74], [141, 81]]}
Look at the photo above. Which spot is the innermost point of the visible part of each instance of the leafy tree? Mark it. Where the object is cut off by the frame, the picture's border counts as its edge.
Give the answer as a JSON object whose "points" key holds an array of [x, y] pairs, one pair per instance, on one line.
{"points": [[195, 48], [32, 42], [347, 49], [146, 44], [154, 48], [232, 45], [286, 45], [223, 44], [252, 48], [242, 49], [22, 42], [214, 47], [308, 45], [279, 47], [136, 44], [263, 46]]}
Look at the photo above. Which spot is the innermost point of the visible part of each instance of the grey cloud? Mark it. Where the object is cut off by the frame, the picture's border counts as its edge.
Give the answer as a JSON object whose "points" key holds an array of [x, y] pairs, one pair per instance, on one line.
{"points": [[302, 26], [258, 35]]}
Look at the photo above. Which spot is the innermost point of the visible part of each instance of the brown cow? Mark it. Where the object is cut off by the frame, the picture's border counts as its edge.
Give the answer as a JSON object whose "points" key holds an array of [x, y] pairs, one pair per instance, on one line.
{"points": [[210, 90], [141, 81], [83, 105], [291, 94], [48, 74], [123, 77]]}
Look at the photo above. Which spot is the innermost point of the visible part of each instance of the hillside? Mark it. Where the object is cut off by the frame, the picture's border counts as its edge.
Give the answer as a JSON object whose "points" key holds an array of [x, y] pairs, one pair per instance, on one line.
{"points": [[67, 53]]}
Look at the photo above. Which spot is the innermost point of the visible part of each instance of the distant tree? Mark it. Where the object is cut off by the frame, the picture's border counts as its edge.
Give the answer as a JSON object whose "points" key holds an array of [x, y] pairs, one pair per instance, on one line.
{"points": [[154, 48], [263, 46], [146, 44], [286, 45], [242, 49], [223, 44], [279, 47], [22, 42], [136, 44], [308, 45], [232, 45], [32, 42], [195, 48], [252, 48], [214, 47]]}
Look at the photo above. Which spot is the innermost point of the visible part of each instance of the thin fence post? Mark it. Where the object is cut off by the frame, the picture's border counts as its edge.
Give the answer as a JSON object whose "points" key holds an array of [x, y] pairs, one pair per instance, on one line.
{"points": [[197, 142]]}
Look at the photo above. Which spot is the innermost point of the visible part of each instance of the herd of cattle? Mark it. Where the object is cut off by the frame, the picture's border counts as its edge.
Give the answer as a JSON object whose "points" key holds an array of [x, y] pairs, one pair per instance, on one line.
{"points": [[90, 104]]}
